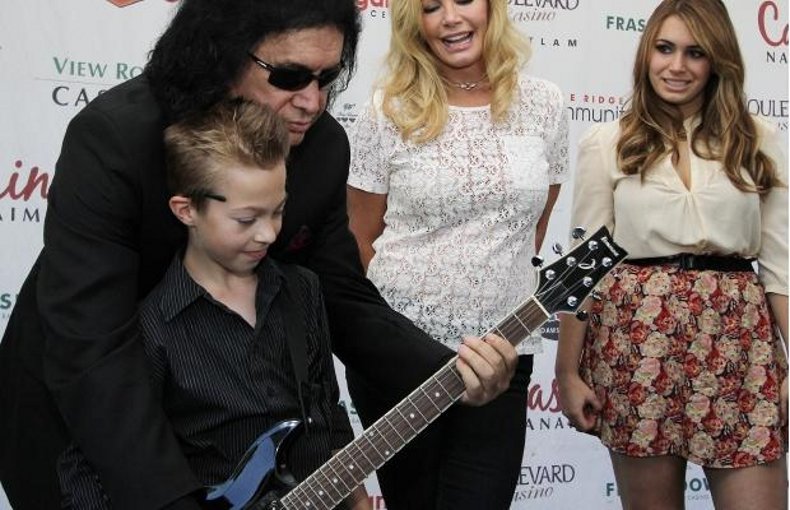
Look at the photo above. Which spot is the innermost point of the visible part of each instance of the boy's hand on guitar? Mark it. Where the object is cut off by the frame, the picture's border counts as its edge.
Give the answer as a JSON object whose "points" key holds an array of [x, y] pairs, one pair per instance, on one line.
{"points": [[579, 403], [486, 366]]}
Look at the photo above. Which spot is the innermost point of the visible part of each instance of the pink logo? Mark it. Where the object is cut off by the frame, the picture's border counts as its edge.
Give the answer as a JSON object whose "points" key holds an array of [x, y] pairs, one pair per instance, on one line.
{"points": [[123, 3], [126, 3], [15, 190], [773, 33], [364, 4], [537, 400]]}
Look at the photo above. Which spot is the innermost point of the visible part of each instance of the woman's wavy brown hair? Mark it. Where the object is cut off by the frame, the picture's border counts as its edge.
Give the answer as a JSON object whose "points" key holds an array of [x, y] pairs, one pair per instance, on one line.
{"points": [[652, 128], [414, 94]]}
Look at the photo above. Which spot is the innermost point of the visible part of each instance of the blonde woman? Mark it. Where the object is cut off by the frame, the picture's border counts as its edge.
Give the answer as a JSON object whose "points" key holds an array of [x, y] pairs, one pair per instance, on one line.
{"points": [[680, 361], [456, 164]]}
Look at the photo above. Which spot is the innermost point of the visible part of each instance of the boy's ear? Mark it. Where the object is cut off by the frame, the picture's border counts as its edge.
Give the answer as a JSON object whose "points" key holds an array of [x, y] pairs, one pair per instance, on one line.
{"points": [[181, 207]]}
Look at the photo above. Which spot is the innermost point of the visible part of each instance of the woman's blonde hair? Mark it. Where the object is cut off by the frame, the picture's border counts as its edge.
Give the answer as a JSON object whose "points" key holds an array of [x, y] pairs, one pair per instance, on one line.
{"points": [[652, 128], [414, 94]]}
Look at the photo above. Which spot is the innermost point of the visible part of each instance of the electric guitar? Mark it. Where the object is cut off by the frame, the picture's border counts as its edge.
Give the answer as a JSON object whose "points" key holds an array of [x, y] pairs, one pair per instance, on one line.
{"points": [[261, 479]]}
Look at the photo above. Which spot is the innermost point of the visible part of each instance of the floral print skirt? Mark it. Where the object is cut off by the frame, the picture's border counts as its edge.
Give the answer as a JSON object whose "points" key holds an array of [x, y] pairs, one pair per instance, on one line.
{"points": [[686, 363]]}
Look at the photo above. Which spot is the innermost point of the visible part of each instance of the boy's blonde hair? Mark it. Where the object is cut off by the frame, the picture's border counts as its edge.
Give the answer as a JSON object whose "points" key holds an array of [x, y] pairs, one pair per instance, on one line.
{"points": [[233, 131]]}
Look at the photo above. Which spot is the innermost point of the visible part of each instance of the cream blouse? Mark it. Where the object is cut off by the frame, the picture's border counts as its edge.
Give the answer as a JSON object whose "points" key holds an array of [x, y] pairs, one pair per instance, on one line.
{"points": [[661, 217]]}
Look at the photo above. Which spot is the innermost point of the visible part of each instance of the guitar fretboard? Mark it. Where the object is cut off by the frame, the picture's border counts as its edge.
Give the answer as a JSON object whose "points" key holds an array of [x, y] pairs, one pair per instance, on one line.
{"points": [[346, 470]]}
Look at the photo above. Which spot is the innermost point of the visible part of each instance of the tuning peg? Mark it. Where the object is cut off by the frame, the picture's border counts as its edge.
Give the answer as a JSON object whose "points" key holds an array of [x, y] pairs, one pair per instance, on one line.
{"points": [[582, 315], [557, 248], [578, 233], [537, 261], [596, 295]]}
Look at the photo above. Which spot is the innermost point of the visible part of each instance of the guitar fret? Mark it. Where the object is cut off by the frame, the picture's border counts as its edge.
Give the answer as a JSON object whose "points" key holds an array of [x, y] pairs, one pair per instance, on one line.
{"points": [[372, 444], [454, 382], [515, 316], [309, 503], [395, 429], [300, 495], [350, 465], [396, 440], [438, 382], [499, 332], [359, 448], [442, 398], [516, 331], [416, 406], [538, 319], [404, 420], [446, 377], [337, 496], [379, 430], [338, 477], [428, 396], [425, 409]]}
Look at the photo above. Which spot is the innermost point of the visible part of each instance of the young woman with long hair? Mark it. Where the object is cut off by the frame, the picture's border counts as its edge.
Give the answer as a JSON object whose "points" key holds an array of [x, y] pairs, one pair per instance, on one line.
{"points": [[681, 360]]}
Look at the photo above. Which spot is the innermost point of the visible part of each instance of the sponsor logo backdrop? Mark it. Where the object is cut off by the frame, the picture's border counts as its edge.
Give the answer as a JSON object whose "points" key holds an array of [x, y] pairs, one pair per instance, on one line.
{"points": [[58, 56]]}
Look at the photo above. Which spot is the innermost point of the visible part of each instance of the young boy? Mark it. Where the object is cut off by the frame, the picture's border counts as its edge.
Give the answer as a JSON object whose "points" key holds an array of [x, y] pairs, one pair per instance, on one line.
{"points": [[216, 329]]}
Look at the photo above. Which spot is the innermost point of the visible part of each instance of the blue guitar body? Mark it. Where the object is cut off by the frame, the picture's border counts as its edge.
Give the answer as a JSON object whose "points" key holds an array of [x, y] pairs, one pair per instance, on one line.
{"points": [[261, 476]]}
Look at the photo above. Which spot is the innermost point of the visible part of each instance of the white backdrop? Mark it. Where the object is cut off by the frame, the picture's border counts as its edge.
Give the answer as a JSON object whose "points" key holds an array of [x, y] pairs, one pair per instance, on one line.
{"points": [[57, 56]]}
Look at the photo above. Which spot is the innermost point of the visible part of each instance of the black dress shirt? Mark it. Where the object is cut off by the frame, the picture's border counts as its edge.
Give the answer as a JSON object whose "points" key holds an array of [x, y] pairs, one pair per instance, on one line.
{"points": [[222, 383]]}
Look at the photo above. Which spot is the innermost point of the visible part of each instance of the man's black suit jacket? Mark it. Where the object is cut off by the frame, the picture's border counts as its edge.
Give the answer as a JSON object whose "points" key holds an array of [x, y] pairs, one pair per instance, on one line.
{"points": [[108, 239]]}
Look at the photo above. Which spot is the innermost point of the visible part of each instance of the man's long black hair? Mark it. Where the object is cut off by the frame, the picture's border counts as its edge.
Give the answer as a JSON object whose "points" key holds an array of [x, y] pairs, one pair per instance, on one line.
{"points": [[204, 49]]}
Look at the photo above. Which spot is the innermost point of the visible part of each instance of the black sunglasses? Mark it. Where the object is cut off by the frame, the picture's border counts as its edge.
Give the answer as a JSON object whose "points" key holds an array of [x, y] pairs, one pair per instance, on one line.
{"points": [[297, 78]]}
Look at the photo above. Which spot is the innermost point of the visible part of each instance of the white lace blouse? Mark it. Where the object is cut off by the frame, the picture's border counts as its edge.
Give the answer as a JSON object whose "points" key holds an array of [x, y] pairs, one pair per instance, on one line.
{"points": [[459, 233]]}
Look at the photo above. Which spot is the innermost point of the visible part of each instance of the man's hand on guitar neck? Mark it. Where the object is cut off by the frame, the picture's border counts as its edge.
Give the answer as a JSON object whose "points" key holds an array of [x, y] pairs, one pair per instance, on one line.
{"points": [[486, 365]]}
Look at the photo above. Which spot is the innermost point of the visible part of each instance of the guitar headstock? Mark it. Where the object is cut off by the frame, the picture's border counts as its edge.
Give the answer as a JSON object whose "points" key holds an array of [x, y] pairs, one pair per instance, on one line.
{"points": [[563, 285]]}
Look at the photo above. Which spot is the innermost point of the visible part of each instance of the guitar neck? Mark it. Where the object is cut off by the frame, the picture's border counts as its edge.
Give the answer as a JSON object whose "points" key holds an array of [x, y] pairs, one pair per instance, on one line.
{"points": [[347, 469]]}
